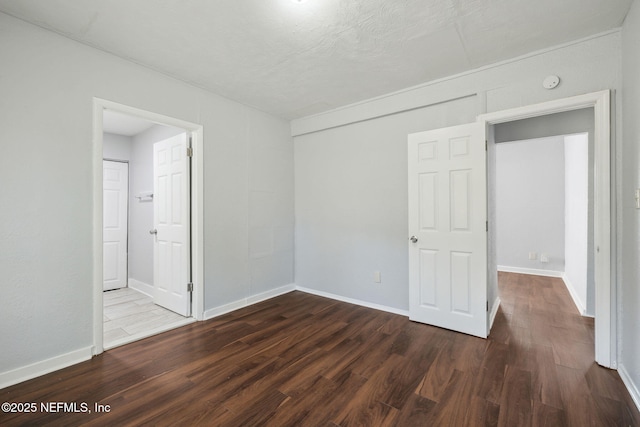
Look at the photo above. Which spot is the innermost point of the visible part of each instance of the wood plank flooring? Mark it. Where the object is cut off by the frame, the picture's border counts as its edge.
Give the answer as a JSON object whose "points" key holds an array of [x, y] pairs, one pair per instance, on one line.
{"points": [[303, 360]]}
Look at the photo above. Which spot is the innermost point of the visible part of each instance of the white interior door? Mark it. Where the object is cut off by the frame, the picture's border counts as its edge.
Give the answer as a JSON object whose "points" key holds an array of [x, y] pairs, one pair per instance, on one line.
{"points": [[172, 266], [447, 225], [115, 195]]}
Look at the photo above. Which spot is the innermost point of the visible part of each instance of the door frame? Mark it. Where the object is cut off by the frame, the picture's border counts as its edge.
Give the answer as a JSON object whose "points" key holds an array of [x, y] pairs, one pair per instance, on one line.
{"points": [[197, 207], [605, 294]]}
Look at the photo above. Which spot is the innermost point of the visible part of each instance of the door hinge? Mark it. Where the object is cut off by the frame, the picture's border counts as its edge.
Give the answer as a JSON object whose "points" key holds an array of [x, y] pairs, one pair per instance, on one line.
{"points": [[487, 305], [486, 223], [190, 287], [189, 152], [486, 145]]}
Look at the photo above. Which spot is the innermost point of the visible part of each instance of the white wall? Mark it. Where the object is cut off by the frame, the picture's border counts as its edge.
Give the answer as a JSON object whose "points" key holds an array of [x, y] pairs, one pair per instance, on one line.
{"points": [[576, 221], [116, 147], [351, 204], [271, 215], [629, 250], [530, 202], [351, 163], [48, 83], [249, 176]]}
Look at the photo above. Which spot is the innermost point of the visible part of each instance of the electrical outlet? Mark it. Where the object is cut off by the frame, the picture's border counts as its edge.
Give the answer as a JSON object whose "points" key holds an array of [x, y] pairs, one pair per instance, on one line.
{"points": [[376, 277], [544, 258], [533, 256]]}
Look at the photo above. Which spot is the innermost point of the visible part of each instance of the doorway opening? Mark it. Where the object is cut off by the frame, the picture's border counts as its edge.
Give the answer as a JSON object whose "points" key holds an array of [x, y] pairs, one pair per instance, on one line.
{"points": [[545, 268], [598, 105], [543, 200], [148, 222], [133, 303]]}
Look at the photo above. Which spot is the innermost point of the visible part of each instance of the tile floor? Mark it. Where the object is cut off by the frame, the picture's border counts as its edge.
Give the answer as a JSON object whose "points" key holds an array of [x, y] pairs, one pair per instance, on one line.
{"points": [[130, 315]]}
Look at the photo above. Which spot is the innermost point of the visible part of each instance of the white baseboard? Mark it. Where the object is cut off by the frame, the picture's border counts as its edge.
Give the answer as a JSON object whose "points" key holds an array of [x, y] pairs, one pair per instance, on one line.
{"points": [[139, 286], [59, 362], [494, 311], [354, 301], [631, 386], [43, 367], [244, 302], [574, 296], [532, 271]]}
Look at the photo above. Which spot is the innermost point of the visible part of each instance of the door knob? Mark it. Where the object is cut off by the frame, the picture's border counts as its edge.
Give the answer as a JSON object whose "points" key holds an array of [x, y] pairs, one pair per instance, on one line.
{"points": [[154, 231], [413, 239]]}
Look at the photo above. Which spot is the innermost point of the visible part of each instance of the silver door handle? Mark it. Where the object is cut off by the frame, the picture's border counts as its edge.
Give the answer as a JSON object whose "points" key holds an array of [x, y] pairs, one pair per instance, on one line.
{"points": [[154, 231], [413, 239]]}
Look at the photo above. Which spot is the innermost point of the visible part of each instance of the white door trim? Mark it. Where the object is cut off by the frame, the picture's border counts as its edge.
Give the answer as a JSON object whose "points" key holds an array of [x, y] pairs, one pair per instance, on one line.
{"points": [[605, 300], [197, 206]]}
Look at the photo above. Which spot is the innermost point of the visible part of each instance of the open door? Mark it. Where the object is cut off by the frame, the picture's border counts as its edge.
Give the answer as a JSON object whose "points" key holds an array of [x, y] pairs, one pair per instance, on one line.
{"points": [[172, 254], [447, 225], [115, 194]]}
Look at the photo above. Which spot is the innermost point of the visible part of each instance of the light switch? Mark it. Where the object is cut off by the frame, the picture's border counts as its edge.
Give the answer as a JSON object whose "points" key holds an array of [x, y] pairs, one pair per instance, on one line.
{"points": [[376, 277]]}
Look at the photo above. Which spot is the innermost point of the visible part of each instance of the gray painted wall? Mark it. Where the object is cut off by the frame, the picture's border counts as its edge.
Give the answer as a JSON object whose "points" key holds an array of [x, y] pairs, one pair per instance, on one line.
{"points": [[351, 204], [629, 249], [48, 83], [116, 147], [568, 122], [530, 199], [351, 166]]}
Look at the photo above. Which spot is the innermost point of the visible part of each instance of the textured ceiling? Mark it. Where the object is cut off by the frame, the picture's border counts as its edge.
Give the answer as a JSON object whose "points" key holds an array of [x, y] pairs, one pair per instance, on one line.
{"points": [[293, 59]]}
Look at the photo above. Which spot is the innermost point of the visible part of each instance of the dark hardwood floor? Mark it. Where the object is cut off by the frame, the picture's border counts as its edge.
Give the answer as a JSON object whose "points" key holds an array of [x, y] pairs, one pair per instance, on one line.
{"points": [[302, 360]]}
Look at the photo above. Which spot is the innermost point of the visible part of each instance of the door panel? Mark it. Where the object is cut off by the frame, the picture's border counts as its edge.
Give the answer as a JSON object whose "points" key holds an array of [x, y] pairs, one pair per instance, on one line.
{"points": [[172, 267], [447, 215], [115, 192]]}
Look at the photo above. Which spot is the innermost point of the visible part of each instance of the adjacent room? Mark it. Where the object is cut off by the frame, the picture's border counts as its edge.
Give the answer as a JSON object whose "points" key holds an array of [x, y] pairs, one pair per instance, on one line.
{"points": [[313, 212], [544, 200], [135, 302]]}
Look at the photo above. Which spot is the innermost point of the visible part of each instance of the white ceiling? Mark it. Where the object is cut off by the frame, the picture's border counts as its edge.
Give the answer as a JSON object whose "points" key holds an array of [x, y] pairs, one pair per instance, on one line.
{"points": [[293, 59], [123, 124]]}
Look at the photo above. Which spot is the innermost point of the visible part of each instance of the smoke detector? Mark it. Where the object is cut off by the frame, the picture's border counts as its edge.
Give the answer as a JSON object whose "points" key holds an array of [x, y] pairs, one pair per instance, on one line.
{"points": [[551, 82]]}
